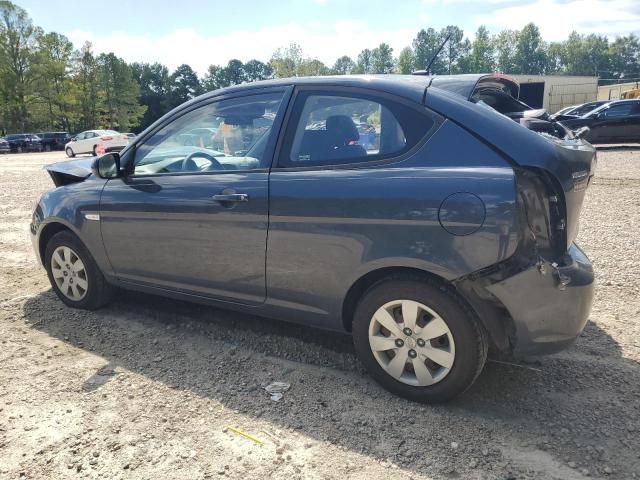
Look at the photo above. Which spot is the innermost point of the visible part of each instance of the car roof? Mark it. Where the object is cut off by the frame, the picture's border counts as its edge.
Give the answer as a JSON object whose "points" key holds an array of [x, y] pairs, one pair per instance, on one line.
{"points": [[409, 86]]}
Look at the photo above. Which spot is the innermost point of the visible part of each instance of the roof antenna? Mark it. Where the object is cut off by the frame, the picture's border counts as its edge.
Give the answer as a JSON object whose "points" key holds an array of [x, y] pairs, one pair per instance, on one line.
{"points": [[433, 59]]}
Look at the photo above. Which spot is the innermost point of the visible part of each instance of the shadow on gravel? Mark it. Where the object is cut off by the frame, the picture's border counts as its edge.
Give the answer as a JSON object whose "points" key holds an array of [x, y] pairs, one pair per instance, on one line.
{"points": [[633, 147], [562, 407]]}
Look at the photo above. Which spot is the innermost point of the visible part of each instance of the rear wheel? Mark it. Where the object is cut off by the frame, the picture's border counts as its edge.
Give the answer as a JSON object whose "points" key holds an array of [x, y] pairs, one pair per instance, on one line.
{"points": [[69, 152], [74, 274], [418, 340]]}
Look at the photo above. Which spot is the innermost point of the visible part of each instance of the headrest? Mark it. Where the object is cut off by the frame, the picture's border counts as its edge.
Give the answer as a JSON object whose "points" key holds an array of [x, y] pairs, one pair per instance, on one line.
{"points": [[342, 128]]}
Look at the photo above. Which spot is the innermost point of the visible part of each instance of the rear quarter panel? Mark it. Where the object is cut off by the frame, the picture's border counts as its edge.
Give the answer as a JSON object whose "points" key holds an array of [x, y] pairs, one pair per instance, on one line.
{"points": [[330, 227]]}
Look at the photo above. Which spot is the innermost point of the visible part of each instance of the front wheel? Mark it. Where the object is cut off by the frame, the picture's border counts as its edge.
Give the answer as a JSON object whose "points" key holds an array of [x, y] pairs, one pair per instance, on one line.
{"points": [[69, 152], [74, 274], [419, 341]]}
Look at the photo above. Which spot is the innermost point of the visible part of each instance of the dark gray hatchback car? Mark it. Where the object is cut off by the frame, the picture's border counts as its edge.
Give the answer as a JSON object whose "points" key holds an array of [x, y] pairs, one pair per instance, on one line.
{"points": [[449, 230]]}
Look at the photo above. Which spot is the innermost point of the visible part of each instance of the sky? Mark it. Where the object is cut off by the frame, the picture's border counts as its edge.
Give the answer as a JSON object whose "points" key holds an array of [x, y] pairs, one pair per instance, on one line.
{"points": [[205, 32]]}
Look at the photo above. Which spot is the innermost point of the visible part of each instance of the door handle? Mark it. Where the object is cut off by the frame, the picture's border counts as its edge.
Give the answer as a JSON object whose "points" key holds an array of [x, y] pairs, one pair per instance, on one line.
{"points": [[231, 197]]}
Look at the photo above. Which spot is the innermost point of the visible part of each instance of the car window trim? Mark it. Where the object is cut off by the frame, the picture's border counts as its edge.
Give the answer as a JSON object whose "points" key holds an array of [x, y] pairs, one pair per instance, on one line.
{"points": [[288, 128], [128, 156]]}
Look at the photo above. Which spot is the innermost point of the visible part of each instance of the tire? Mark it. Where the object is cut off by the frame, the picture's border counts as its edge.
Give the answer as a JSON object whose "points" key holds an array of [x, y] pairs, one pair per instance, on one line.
{"points": [[69, 152], [96, 292], [93, 151], [463, 349]]}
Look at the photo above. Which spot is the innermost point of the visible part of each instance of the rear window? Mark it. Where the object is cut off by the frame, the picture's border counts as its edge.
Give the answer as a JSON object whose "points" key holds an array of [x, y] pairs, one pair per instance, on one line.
{"points": [[333, 129]]}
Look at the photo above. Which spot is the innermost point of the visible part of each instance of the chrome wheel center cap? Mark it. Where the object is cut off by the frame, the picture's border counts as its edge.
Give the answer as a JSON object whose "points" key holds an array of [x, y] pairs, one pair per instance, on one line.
{"points": [[410, 342]]}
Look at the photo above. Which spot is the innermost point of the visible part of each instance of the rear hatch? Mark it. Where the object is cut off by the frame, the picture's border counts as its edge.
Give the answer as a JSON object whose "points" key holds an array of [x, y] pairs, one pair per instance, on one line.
{"points": [[569, 164]]}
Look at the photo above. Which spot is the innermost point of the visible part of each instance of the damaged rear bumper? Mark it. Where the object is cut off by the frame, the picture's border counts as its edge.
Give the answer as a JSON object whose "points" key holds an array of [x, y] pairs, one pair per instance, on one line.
{"points": [[549, 303]]}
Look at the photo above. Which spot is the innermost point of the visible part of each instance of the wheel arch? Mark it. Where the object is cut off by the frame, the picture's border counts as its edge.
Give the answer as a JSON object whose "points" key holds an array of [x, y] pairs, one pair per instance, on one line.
{"points": [[366, 281], [47, 233], [493, 319]]}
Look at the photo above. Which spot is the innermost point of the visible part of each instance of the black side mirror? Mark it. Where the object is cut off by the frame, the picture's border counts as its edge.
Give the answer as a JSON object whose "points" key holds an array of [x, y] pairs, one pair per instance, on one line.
{"points": [[107, 166]]}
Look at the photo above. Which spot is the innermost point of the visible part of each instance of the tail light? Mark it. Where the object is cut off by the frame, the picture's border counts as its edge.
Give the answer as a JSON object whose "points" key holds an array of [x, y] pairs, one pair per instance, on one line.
{"points": [[544, 212], [106, 138]]}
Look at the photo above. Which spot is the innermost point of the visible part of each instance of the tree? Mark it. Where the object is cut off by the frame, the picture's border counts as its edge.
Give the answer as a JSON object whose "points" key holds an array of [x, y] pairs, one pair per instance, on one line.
{"points": [[505, 45], [382, 59], [406, 61], [463, 63], [215, 78], [85, 81], [17, 46], [454, 47], [425, 46], [625, 56], [482, 52], [255, 70], [185, 85], [154, 84], [530, 52], [343, 66], [53, 89], [120, 109], [312, 68], [234, 71], [286, 61], [365, 62], [556, 54]]}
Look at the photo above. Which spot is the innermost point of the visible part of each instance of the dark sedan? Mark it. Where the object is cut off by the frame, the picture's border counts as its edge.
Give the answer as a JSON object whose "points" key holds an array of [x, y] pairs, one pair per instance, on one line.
{"points": [[614, 122], [450, 231], [24, 142], [4, 146], [54, 140], [577, 110]]}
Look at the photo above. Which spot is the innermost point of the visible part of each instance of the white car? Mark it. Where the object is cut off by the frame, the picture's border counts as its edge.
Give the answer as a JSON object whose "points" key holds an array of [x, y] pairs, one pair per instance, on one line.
{"points": [[95, 142]]}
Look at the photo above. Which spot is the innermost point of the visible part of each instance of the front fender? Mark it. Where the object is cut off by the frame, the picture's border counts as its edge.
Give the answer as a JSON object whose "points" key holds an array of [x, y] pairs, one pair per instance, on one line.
{"points": [[75, 207]]}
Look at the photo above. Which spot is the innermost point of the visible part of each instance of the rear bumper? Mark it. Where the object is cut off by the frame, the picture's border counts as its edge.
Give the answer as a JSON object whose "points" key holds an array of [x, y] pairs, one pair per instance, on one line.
{"points": [[549, 304]]}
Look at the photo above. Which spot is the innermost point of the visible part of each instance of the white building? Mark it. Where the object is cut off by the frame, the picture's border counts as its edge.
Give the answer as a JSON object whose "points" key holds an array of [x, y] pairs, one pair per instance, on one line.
{"points": [[553, 92]]}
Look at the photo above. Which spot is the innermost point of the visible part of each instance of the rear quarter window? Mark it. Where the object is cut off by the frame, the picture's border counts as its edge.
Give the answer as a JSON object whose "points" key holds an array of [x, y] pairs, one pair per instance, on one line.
{"points": [[335, 128]]}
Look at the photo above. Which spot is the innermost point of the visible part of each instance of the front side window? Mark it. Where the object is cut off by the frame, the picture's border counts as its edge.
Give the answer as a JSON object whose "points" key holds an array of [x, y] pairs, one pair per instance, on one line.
{"points": [[621, 110], [338, 129], [227, 134]]}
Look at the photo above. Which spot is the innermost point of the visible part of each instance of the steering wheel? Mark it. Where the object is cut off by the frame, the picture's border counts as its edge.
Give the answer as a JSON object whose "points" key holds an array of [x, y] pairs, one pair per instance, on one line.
{"points": [[189, 165]]}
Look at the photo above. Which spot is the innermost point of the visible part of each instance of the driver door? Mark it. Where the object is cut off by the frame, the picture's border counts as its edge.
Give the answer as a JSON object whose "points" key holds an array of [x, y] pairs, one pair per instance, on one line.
{"points": [[192, 215]]}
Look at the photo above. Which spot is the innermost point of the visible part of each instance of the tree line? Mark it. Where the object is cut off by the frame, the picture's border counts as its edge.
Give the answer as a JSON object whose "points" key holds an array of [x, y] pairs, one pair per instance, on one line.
{"points": [[47, 84]]}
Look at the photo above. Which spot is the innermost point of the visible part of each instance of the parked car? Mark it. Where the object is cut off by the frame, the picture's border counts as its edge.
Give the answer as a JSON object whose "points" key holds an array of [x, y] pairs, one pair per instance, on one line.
{"points": [[24, 142], [130, 135], [576, 111], [4, 146], [86, 142], [455, 234], [54, 140], [614, 122]]}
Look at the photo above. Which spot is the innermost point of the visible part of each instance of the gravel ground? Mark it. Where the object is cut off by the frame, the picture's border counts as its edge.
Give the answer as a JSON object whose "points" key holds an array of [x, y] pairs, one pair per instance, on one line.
{"points": [[146, 387]]}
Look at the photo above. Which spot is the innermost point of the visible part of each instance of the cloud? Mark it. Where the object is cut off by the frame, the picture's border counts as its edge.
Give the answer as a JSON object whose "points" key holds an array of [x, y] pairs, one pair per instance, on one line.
{"points": [[557, 18], [186, 45]]}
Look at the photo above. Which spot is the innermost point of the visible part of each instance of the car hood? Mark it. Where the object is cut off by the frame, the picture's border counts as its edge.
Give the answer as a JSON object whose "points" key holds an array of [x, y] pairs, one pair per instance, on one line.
{"points": [[70, 171]]}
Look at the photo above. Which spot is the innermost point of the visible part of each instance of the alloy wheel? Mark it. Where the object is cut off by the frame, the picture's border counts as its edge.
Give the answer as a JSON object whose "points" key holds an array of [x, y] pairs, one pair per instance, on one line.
{"points": [[411, 342], [69, 273]]}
